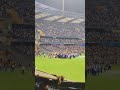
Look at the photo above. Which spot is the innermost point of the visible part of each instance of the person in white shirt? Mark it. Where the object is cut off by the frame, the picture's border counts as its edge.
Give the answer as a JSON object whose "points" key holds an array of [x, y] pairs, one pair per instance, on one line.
{"points": [[23, 69]]}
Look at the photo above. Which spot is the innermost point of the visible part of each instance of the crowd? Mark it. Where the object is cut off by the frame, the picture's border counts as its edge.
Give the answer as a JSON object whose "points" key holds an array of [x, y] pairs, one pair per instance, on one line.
{"points": [[25, 49], [24, 8], [100, 58], [10, 64], [97, 69], [52, 40], [60, 29], [21, 33], [99, 36], [60, 40], [2, 10], [102, 14], [56, 50], [102, 54]]}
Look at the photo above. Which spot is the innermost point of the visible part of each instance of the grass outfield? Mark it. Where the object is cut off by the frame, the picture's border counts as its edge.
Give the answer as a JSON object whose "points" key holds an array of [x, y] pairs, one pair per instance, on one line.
{"points": [[16, 81], [109, 80], [71, 69]]}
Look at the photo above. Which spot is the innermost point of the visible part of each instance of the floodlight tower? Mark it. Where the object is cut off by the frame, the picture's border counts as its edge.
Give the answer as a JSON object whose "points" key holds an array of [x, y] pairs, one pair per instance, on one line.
{"points": [[63, 5]]}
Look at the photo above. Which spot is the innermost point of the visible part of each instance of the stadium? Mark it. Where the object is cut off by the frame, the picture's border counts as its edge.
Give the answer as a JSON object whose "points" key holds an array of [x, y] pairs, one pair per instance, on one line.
{"points": [[60, 49], [59, 44]]}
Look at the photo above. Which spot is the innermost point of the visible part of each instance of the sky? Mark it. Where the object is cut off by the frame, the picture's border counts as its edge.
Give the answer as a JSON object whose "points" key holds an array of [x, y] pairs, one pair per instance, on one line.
{"points": [[77, 6]]}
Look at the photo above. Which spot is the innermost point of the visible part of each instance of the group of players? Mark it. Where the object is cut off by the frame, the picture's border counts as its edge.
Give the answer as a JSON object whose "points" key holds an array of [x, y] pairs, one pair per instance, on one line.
{"points": [[60, 55], [66, 55]]}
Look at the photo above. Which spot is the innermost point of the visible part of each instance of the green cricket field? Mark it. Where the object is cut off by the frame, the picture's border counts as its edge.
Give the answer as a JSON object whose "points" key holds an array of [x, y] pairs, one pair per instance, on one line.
{"points": [[71, 69]]}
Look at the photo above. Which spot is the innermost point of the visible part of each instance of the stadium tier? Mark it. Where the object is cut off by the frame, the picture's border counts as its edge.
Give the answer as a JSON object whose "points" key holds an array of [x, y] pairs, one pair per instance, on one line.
{"points": [[51, 28], [17, 11], [102, 35], [102, 14], [59, 37], [103, 53], [58, 31]]}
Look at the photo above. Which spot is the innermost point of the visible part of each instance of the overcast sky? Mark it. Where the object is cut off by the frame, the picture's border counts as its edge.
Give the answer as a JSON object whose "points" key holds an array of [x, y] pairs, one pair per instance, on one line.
{"points": [[70, 5]]}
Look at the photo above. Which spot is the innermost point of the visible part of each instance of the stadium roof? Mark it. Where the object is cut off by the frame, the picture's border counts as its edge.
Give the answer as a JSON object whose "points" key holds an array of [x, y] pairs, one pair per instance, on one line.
{"points": [[48, 13], [41, 15], [39, 7], [65, 19], [53, 18], [78, 21], [77, 6], [58, 18]]}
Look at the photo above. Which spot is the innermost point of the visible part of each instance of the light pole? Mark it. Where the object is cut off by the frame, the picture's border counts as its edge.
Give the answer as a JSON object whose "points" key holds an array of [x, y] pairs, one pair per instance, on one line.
{"points": [[63, 5]]}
